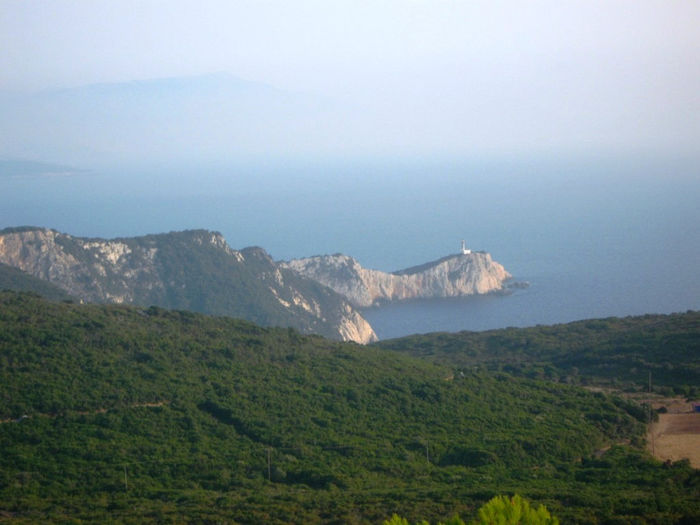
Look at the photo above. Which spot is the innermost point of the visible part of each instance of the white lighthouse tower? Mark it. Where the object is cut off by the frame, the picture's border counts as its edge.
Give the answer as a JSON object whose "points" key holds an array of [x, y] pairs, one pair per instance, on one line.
{"points": [[465, 250]]}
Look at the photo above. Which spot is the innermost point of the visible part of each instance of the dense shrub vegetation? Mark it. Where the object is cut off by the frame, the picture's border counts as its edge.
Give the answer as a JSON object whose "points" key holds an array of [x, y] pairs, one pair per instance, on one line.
{"points": [[140, 415], [614, 351], [14, 279], [501, 510]]}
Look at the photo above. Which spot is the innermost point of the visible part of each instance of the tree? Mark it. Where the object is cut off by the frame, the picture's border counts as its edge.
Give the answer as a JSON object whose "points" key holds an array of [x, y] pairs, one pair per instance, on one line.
{"points": [[396, 520], [502, 510]]}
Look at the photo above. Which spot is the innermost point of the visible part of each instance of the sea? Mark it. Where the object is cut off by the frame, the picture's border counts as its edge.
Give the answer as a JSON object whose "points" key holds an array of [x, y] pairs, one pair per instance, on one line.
{"points": [[593, 237]]}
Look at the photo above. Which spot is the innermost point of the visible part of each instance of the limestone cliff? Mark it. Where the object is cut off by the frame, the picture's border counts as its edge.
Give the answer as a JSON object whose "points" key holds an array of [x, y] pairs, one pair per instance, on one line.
{"points": [[92, 270], [194, 270], [452, 276]]}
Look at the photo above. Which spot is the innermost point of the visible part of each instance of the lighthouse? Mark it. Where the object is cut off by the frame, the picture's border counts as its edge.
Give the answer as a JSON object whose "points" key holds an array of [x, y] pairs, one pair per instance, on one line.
{"points": [[465, 251]]}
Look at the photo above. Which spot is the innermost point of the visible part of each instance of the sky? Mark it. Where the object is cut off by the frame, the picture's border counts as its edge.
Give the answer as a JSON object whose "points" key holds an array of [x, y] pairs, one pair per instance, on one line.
{"points": [[397, 77]]}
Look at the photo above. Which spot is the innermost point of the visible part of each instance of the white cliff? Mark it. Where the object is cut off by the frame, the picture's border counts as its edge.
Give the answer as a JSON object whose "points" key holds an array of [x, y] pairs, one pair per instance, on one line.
{"points": [[453, 276], [354, 327], [79, 266]]}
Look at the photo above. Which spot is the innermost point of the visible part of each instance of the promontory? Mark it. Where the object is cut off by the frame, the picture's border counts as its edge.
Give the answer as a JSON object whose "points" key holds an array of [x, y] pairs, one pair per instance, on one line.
{"points": [[461, 274]]}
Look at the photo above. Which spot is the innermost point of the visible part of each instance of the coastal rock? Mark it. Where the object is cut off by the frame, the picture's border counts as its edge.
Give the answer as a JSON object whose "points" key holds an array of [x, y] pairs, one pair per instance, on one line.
{"points": [[194, 270], [354, 327], [452, 276], [90, 269]]}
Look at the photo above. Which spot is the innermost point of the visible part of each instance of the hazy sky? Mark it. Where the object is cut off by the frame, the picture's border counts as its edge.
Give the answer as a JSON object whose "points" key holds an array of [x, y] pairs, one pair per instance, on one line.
{"points": [[434, 76]]}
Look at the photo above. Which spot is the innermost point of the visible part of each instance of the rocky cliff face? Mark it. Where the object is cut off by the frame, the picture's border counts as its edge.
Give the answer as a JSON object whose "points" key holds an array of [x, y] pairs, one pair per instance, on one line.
{"points": [[92, 270], [452, 276], [194, 270]]}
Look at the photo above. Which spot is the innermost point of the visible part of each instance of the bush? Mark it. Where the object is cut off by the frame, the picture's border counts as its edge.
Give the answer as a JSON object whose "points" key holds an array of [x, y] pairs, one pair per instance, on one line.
{"points": [[502, 510]]}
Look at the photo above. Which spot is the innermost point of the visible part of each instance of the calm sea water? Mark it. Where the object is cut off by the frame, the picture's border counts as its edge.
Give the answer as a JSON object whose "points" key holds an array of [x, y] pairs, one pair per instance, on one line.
{"points": [[593, 238]]}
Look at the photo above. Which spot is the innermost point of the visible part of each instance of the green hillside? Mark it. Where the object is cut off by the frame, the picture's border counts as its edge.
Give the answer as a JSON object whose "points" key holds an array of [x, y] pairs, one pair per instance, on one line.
{"points": [[617, 351], [16, 280], [133, 415]]}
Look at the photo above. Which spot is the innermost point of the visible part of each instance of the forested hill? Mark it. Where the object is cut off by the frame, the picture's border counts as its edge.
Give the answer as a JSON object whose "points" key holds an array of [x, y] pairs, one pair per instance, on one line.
{"points": [[616, 351], [126, 414]]}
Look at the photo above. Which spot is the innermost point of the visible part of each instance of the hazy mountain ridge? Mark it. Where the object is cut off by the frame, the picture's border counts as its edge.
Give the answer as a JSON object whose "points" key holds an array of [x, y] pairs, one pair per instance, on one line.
{"points": [[193, 270], [202, 117], [452, 276]]}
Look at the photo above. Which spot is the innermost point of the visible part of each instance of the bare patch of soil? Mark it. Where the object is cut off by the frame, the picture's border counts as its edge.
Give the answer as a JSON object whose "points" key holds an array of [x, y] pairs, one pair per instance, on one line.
{"points": [[676, 435]]}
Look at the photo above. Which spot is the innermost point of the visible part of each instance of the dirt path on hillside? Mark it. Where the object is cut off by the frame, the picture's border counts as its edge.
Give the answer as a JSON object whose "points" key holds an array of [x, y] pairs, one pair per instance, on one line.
{"points": [[676, 435], [90, 412]]}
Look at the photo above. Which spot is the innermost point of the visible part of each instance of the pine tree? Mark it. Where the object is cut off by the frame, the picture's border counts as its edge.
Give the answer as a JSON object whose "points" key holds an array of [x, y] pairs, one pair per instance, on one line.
{"points": [[503, 510]]}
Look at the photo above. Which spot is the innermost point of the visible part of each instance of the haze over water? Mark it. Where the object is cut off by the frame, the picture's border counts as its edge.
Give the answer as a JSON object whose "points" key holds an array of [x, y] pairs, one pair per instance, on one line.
{"points": [[593, 239]]}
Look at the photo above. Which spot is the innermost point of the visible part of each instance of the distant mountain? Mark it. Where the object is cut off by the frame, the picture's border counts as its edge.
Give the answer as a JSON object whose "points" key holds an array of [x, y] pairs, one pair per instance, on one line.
{"points": [[192, 270], [206, 117], [452, 276]]}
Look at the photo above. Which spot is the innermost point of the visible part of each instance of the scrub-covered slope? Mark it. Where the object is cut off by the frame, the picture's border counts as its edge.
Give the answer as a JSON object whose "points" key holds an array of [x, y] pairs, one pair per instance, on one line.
{"points": [[117, 413], [616, 351]]}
